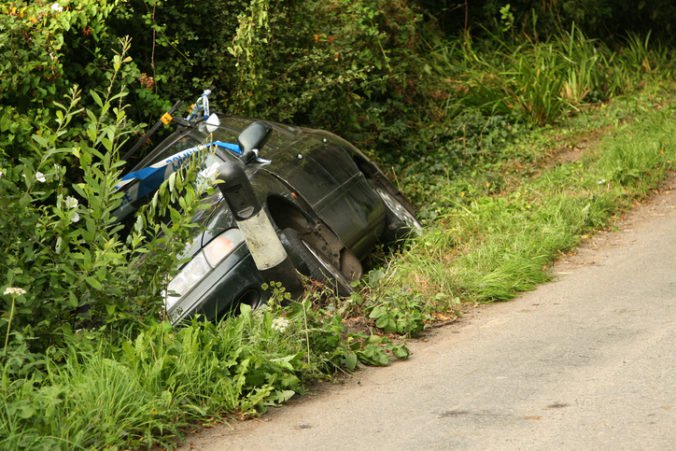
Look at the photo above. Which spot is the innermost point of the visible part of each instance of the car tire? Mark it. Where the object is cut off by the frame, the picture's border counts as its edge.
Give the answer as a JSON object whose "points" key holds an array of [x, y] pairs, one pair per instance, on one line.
{"points": [[400, 219], [254, 298], [312, 263]]}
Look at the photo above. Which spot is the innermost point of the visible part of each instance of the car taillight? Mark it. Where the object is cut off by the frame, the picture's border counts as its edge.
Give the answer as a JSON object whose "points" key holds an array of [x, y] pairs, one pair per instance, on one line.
{"points": [[201, 265], [222, 245]]}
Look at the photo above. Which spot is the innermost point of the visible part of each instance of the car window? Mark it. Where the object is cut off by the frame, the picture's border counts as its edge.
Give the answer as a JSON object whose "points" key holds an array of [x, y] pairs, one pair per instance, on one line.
{"points": [[170, 146], [219, 221]]}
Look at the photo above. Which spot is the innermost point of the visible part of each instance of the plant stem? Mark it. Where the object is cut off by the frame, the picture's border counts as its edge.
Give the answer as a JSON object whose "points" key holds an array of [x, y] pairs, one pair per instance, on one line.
{"points": [[307, 333], [9, 328]]}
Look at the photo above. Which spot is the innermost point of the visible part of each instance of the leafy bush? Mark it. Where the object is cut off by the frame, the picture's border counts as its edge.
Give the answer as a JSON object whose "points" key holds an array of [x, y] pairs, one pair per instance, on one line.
{"points": [[45, 50], [348, 66], [61, 244]]}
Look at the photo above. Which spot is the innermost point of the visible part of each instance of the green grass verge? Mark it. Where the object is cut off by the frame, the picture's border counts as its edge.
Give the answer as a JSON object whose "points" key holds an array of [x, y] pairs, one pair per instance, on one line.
{"points": [[490, 245]]}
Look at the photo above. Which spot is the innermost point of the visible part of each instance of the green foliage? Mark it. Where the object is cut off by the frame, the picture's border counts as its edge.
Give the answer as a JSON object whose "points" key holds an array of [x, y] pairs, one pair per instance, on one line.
{"points": [[492, 245], [181, 47], [360, 55], [364, 70], [61, 242], [394, 311], [604, 19], [342, 65], [248, 44], [483, 95], [35, 39], [144, 391], [404, 320], [545, 80], [47, 48]]}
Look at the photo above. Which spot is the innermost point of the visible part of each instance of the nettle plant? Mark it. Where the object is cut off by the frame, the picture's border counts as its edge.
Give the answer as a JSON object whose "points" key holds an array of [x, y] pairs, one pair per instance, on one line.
{"points": [[61, 244]]}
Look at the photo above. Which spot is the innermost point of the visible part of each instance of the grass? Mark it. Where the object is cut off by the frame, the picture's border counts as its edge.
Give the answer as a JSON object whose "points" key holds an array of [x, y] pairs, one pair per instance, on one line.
{"points": [[488, 95], [491, 246], [144, 391]]}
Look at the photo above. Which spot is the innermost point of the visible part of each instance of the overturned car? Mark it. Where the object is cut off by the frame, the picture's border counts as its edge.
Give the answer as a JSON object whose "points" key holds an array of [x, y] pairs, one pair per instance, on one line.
{"points": [[328, 204]]}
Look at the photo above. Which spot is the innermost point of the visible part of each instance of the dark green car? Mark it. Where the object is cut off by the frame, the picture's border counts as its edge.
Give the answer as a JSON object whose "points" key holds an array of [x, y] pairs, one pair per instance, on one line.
{"points": [[328, 203]]}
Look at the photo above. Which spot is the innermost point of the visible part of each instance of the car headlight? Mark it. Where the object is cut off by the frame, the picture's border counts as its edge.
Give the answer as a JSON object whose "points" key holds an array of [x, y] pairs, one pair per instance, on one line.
{"points": [[201, 264]]}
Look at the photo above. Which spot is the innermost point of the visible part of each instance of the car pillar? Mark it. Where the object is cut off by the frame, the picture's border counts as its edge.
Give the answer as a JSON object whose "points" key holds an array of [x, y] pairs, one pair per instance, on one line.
{"points": [[264, 245]]}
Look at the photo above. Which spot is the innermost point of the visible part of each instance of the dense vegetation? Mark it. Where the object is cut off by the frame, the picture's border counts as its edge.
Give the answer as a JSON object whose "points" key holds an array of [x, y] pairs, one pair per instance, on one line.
{"points": [[459, 102]]}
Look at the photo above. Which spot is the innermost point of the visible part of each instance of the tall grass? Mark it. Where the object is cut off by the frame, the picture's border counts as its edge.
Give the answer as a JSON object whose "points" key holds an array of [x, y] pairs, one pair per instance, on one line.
{"points": [[534, 81], [543, 80], [144, 392]]}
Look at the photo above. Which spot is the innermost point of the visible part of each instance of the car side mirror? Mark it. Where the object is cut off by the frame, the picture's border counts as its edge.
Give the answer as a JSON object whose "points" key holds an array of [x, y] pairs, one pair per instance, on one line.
{"points": [[252, 139]]}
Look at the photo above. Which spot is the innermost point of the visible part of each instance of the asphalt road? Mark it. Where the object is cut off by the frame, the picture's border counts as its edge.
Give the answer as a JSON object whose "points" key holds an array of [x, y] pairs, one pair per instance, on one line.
{"points": [[585, 362]]}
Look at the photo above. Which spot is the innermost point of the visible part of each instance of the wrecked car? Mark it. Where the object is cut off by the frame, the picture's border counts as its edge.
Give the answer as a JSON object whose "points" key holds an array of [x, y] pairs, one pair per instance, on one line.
{"points": [[328, 204]]}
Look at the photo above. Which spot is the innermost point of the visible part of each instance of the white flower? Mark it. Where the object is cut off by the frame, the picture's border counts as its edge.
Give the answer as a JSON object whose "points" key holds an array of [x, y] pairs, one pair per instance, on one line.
{"points": [[75, 218], [14, 291], [71, 202], [56, 7], [2, 174], [40, 177], [280, 324]]}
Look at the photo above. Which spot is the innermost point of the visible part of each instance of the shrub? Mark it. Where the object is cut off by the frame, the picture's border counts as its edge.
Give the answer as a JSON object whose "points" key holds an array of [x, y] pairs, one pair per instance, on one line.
{"points": [[61, 243], [348, 66]]}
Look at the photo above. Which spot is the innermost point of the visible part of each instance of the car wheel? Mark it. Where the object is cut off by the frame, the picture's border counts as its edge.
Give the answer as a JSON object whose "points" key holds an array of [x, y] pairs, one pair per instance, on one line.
{"points": [[253, 298], [400, 220], [312, 263]]}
